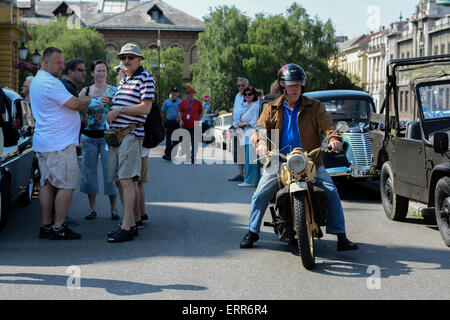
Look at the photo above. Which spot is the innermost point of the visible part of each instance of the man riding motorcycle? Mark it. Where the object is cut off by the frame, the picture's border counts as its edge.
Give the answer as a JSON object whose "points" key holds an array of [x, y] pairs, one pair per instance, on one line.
{"points": [[300, 120]]}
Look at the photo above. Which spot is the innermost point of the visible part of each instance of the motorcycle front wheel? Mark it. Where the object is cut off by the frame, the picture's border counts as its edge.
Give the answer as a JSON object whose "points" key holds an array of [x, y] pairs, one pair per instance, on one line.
{"points": [[303, 228]]}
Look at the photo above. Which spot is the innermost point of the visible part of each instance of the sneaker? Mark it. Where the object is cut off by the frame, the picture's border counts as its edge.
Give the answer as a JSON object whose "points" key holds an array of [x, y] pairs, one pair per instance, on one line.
{"points": [[115, 215], [63, 233], [44, 231], [92, 215], [237, 178], [134, 230], [139, 224], [144, 217], [120, 236], [245, 184]]}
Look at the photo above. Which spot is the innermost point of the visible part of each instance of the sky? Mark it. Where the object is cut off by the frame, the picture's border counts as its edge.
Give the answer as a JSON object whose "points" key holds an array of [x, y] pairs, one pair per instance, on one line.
{"points": [[350, 17]]}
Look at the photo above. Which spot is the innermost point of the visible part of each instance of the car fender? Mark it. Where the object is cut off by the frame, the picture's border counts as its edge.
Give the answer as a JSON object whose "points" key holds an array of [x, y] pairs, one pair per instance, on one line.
{"points": [[439, 171]]}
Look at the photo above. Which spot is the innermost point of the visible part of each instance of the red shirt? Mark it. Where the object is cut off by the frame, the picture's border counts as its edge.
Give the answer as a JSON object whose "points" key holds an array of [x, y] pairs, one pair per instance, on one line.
{"points": [[191, 112]]}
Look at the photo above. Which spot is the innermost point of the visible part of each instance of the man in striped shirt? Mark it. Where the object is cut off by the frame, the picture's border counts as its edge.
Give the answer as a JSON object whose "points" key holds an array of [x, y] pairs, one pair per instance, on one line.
{"points": [[131, 104]]}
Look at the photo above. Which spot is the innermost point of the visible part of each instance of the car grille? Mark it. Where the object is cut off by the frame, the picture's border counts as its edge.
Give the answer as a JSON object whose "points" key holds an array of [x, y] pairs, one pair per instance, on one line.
{"points": [[361, 148]]}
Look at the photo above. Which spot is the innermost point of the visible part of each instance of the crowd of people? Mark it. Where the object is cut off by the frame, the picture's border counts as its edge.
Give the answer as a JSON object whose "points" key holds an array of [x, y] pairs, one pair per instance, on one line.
{"points": [[110, 124], [66, 118]]}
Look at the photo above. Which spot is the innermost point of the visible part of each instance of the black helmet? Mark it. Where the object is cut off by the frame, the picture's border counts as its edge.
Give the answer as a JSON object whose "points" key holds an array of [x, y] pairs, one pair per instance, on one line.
{"points": [[291, 72]]}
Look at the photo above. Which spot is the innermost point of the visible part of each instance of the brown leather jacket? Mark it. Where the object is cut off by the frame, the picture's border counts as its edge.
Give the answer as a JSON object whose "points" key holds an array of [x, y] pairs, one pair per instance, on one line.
{"points": [[313, 120]]}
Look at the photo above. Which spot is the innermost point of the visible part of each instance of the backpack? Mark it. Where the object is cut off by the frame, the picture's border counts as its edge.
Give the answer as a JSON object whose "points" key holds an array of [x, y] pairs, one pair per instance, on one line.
{"points": [[154, 128]]}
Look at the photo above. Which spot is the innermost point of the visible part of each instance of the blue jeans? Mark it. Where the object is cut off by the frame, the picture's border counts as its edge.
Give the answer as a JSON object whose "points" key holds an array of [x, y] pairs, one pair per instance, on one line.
{"points": [[268, 187], [91, 148]]}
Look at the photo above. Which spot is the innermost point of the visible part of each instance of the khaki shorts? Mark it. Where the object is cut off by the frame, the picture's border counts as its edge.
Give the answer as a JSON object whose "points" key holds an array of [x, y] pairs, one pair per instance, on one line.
{"points": [[144, 171], [125, 161], [60, 168]]}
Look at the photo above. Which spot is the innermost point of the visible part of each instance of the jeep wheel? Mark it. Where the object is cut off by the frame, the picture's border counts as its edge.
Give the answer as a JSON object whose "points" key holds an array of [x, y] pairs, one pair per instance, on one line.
{"points": [[395, 206], [442, 208]]}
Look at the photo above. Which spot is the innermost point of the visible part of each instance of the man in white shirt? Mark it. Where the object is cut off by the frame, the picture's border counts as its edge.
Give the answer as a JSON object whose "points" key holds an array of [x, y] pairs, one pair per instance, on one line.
{"points": [[238, 108], [55, 138]]}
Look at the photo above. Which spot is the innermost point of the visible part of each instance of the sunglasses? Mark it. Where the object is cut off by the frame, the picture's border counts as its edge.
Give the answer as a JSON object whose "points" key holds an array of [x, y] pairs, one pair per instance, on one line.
{"points": [[248, 94], [123, 58], [241, 85], [80, 70]]}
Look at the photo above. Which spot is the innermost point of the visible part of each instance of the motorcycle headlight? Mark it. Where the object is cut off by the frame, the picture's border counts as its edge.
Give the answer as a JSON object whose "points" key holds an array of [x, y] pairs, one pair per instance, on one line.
{"points": [[296, 163]]}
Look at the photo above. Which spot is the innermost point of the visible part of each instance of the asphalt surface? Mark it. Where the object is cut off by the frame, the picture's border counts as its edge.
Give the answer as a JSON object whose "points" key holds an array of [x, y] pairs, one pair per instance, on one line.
{"points": [[189, 249]]}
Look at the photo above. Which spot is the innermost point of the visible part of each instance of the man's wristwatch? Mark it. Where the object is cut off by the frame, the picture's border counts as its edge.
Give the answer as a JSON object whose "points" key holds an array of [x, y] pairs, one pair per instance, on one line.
{"points": [[122, 109]]}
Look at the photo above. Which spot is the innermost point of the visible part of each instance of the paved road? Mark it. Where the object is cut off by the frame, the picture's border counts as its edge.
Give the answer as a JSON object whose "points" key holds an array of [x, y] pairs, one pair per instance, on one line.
{"points": [[190, 249]]}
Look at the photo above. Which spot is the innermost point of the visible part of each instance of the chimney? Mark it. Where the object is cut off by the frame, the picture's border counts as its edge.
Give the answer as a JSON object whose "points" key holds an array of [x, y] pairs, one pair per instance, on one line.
{"points": [[100, 4], [32, 8]]}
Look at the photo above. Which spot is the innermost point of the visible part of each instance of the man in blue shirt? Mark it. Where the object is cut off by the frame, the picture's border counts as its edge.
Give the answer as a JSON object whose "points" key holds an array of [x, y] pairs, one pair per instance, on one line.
{"points": [[170, 113], [300, 121]]}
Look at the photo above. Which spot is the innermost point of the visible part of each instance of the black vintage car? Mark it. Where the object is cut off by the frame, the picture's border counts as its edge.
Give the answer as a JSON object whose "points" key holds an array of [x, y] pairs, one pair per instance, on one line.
{"points": [[414, 159], [354, 107], [18, 164]]}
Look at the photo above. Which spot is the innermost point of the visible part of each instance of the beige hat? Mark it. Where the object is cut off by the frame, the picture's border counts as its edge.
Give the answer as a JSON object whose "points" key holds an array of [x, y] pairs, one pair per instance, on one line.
{"points": [[131, 48]]}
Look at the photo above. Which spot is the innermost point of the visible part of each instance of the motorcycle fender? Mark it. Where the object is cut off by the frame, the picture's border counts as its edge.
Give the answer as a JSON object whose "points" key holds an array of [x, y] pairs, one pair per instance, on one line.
{"points": [[296, 187]]}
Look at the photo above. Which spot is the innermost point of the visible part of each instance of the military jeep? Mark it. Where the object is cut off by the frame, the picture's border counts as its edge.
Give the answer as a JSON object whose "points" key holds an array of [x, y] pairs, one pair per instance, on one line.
{"points": [[411, 148]]}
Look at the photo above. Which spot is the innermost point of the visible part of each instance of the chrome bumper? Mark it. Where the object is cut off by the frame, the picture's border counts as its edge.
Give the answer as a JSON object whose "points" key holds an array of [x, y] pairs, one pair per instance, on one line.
{"points": [[362, 172]]}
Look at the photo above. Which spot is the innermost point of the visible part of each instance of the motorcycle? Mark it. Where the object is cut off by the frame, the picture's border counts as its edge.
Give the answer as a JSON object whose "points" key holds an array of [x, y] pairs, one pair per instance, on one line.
{"points": [[299, 208]]}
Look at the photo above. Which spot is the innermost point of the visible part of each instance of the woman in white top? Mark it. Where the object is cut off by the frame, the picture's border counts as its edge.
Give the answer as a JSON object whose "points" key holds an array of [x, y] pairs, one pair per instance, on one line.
{"points": [[246, 123]]}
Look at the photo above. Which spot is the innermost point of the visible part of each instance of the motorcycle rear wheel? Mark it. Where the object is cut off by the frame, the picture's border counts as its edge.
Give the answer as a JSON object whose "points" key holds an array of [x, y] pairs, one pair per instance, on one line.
{"points": [[305, 237]]}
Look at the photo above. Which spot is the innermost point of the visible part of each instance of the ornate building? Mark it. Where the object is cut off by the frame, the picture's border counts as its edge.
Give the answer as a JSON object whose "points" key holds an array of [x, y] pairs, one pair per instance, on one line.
{"points": [[9, 43], [122, 21], [426, 33]]}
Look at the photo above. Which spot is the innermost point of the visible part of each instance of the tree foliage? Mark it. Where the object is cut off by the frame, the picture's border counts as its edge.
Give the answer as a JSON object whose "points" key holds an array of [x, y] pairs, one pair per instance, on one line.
{"points": [[171, 74], [220, 55], [234, 45], [77, 42]]}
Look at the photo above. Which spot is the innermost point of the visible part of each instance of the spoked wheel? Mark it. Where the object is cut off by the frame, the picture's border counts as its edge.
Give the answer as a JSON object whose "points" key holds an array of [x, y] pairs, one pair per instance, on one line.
{"points": [[395, 206], [303, 226], [442, 208]]}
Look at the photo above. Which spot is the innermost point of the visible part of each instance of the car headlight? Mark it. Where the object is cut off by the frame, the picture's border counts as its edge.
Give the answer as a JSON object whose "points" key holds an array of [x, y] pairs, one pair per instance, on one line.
{"points": [[296, 163]]}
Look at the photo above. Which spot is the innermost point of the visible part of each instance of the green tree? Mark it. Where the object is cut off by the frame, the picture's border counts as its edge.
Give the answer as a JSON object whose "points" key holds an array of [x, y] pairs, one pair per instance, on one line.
{"points": [[276, 40], [79, 42], [220, 52], [171, 74]]}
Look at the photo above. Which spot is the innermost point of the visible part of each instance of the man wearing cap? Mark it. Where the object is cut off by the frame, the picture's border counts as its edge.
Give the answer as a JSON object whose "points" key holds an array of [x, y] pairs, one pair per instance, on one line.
{"points": [[170, 112], [189, 112], [131, 105]]}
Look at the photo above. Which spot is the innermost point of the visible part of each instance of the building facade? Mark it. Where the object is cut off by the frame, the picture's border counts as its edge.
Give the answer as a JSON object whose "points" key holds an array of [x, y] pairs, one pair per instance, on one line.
{"points": [[10, 33], [123, 21], [426, 33]]}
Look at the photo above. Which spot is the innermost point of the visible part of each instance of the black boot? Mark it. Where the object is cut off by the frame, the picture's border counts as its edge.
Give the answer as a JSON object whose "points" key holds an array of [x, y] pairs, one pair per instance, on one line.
{"points": [[344, 244], [249, 239]]}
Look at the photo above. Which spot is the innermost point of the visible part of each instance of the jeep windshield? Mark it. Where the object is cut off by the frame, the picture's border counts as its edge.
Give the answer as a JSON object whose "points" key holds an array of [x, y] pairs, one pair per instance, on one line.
{"points": [[350, 110], [435, 101]]}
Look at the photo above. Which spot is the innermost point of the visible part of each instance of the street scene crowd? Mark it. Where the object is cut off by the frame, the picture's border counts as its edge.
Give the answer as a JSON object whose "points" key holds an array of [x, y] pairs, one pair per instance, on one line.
{"points": [[111, 124]]}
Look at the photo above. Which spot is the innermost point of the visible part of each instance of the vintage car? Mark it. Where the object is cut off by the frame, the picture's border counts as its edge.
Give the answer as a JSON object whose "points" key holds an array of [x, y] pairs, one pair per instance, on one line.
{"points": [[355, 108], [414, 159], [18, 164], [208, 122], [222, 134]]}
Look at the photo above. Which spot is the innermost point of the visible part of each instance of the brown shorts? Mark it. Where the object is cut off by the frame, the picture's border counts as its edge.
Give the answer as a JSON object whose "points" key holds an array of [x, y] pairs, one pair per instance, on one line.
{"points": [[60, 168]]}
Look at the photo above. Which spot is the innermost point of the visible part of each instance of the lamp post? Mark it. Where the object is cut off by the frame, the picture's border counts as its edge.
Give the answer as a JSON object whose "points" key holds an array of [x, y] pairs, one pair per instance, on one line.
{"points": [[23, 52], [159, 66], [36, 57]]}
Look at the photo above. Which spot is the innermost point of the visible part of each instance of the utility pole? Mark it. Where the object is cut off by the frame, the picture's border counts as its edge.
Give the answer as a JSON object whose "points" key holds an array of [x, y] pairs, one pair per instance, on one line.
{"points": [[159, 67]]}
